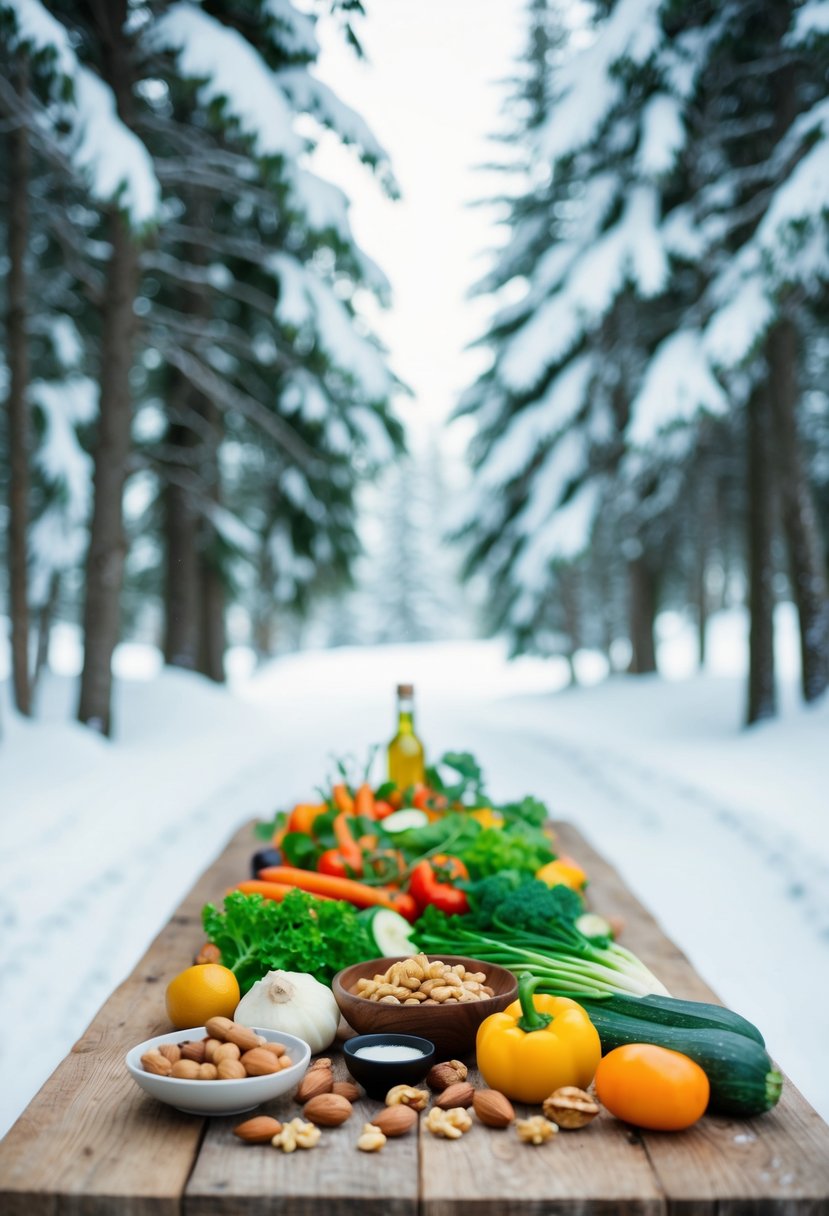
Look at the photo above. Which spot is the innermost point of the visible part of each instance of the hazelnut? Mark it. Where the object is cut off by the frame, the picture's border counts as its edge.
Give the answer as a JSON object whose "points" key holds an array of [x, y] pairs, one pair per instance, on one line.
{"points": [[441, 1076]]}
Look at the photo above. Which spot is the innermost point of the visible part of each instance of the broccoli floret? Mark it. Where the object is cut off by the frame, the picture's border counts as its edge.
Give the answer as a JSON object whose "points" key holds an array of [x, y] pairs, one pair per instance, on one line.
{"points": [[533, 907], [488, 894]]}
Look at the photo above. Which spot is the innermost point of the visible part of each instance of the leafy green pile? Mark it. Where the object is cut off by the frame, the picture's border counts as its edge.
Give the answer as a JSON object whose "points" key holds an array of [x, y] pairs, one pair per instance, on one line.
{"points": [[302, 933], [512, 847]]}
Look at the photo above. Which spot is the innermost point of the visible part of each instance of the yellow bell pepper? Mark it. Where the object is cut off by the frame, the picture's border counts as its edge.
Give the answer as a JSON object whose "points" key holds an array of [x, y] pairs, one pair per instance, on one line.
{"points": [[536, 1045], [486, 817], [563, 872]]}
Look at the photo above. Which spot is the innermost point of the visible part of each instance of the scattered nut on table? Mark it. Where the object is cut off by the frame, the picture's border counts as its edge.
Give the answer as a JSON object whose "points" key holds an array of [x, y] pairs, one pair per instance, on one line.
{"points": [[459, 1094], [535, 1130], [408, 1095], [441, 1076], [297, 1134], [451, 1124], [493, 1109], [261, 1129], [395, 1120], [372, 1139], [570, 1108]]}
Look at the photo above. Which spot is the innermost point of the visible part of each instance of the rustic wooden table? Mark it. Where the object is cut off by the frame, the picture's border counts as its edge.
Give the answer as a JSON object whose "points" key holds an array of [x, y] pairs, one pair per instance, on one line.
{"points": [[92, 1144]]}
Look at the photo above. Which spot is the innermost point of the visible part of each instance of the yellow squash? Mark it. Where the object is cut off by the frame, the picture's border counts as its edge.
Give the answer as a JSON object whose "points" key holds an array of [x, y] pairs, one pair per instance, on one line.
{"points": [[536, 1045]]}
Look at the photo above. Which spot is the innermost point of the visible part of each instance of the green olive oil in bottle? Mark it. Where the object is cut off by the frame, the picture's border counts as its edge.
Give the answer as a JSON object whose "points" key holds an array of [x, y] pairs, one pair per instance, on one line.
{"points": [[405, 752]]}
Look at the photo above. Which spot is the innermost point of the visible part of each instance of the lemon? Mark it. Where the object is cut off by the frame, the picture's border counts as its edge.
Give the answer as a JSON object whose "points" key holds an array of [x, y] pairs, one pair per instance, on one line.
{"points": [[201, 992]]}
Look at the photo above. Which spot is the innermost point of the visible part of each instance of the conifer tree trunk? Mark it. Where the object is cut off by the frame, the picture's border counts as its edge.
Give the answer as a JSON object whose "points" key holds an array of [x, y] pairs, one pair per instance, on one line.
{"points": [[212, 639], [810, 585], [762, 696], [181, 526], [18, 407], [704, 516], [107, 542], [642, 591]]}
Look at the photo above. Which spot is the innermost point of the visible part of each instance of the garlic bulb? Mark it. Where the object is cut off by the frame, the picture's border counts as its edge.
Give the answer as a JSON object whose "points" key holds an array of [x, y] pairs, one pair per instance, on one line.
{"points": [[295, 1002]]}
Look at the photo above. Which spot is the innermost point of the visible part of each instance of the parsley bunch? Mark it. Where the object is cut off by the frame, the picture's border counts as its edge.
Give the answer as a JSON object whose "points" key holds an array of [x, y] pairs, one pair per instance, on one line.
{"points": [[302, 933]]}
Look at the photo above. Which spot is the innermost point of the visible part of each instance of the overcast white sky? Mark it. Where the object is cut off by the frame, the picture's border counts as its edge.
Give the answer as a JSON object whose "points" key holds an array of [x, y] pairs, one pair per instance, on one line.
{"points": [[430, 92]]}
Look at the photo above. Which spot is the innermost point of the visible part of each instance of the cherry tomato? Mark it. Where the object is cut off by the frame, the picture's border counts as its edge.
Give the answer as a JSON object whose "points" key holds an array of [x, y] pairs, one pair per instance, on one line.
{"points": [[652, 1087]]}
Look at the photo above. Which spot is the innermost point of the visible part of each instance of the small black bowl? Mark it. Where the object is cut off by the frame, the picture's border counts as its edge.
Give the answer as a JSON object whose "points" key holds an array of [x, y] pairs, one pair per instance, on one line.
{"points": [[378, 1076]]}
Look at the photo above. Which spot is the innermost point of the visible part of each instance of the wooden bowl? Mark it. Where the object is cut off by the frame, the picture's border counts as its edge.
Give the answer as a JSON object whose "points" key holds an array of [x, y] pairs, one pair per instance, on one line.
{"points": [[452, 1028]]}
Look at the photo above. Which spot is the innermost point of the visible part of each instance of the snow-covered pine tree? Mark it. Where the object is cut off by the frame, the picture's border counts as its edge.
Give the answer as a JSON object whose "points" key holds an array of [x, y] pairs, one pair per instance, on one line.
{"points": [[756, 219], [247, 290], [553, 408], [666, 297], [300, 390]]}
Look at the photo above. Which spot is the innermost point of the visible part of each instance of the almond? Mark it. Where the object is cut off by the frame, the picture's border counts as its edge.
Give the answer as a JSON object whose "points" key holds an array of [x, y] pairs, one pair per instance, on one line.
{"points": [[327, 1110], [278, 1049], [259, 1063], [188, 1070], [171, 1052], [492, 1108], [230, 1070], [259, 1130], [217, 1028], [153, 1061], [211, 1046], [226, 1051], [346, 1089], [316, 1081], [193, 1051], [207, 1072], [395, 1120], [244, 1038], [320, 1062], [459, 1094]]}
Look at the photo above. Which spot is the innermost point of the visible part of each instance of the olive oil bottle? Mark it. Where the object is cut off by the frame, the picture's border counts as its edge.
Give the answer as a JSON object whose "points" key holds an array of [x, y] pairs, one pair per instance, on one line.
{"points": [[407, 764]]}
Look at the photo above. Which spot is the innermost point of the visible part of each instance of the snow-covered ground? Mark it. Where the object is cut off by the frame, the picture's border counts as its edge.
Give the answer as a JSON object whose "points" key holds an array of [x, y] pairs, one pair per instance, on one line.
{"points": [[722, 832]]}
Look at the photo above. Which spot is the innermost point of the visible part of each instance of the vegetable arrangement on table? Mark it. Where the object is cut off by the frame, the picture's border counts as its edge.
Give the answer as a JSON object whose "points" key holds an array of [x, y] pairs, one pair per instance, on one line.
{"points": [[440, 869]]}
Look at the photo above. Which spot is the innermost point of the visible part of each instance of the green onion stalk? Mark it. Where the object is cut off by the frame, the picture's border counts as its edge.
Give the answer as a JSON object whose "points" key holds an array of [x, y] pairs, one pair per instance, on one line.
{"points": [[564, 962]]}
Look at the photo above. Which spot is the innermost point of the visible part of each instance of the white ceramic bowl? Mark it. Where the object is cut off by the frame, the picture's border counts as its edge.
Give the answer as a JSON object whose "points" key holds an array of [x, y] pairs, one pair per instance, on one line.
{"points": [[219, 1097]]}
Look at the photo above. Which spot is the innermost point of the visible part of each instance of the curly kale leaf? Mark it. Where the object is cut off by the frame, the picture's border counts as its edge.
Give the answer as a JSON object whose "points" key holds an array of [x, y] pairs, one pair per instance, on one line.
{"points": [[302, 933]]}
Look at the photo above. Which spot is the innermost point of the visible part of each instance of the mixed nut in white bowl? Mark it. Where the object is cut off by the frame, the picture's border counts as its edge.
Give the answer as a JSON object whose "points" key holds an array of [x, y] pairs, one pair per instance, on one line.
{"points": [[228, 1095]]}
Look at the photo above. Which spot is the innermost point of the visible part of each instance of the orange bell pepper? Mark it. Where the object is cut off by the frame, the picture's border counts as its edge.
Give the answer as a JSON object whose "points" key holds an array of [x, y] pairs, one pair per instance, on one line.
{"points": [[304, 814]]}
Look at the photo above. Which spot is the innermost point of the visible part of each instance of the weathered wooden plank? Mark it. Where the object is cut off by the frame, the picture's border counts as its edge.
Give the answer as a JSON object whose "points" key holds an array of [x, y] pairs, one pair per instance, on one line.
{"points": [[778, 1163], [91, 1143], [602, 1170], [335, 1178]]}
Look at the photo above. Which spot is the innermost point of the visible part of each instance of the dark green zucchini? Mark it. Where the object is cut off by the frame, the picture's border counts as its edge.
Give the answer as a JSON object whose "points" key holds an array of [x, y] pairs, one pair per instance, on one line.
{"points": [[667, 1010], [743, 1079]]}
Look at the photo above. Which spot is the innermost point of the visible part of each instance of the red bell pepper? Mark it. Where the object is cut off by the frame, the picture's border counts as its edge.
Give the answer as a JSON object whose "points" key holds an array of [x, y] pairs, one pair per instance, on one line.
{"points": [[431, 883]]}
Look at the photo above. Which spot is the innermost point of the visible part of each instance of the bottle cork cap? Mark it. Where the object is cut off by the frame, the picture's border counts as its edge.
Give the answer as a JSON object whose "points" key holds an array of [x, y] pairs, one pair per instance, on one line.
{"points": [[405, 690]]}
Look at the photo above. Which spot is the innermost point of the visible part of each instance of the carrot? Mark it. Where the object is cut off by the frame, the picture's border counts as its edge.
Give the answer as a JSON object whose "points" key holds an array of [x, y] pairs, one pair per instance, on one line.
{"points": [[364, 801], [270, 890], [350, 851], [342, 799], [357, 893]]}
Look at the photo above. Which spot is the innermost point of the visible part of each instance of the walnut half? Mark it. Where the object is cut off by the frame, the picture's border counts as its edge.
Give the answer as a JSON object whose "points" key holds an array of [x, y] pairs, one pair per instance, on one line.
{"points": [[535, 1130]]}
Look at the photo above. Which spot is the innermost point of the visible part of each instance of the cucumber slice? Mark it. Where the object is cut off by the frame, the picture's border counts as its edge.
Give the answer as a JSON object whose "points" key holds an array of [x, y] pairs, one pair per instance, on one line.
{"points": [[593, 925], [402, 821], [389, 931]]}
